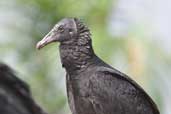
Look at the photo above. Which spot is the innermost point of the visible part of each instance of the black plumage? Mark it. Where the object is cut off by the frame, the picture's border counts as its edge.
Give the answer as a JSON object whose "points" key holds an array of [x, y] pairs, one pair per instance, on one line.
{"points": [[15, 95], [94, 87]]}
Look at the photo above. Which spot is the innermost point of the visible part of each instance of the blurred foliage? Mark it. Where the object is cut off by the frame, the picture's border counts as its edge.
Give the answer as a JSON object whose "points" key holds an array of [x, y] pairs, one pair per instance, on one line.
{"points": [[42, 69]]}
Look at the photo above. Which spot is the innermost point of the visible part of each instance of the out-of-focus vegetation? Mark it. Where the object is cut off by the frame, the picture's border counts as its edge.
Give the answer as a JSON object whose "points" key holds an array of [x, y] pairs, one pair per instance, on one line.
{"points": [[24, 22]]}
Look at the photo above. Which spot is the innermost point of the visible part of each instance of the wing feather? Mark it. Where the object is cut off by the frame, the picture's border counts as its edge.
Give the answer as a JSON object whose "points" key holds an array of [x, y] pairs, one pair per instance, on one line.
{"points": [[133, 90]]}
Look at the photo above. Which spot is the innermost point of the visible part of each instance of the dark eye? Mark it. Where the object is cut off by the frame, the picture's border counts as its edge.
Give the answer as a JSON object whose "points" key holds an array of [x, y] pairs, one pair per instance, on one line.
{"points": [[70, 30], [61, 28]]}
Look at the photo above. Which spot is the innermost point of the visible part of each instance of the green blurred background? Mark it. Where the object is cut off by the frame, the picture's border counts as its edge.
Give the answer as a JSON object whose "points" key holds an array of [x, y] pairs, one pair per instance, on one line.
{"points": [[133, 36]]}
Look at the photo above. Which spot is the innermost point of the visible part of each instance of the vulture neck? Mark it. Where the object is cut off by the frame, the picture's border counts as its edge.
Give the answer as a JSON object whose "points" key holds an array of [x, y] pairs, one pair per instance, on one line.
{"points": [[77, 54], [76, 58]]}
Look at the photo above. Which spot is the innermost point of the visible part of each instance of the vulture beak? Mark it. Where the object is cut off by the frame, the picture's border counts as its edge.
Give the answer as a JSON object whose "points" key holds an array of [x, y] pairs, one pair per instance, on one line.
{"points": [[49, 38]]}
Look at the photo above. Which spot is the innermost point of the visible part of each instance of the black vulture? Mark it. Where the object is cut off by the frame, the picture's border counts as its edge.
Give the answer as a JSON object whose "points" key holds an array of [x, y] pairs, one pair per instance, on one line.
{"points": [[15, 95], [94, 87]]}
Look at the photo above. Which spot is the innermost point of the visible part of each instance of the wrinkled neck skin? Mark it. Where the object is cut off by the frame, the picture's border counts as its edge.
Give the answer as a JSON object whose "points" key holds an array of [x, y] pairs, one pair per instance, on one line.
{"points": [[76, 56]]}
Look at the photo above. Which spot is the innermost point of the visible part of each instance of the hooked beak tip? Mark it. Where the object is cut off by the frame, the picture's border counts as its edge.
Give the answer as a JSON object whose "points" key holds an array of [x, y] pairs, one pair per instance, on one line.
{"points": [[38, 46], [41, 44], [45, 41]]}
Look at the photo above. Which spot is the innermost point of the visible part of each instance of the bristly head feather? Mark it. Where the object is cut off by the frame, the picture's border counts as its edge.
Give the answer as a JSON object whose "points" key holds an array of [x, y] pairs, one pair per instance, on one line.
{"points": [[83, 32]]}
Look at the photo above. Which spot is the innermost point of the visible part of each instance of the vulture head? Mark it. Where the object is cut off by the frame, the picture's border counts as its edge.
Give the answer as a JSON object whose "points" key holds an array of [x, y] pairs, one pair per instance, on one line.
{"points": [[69, 31]]}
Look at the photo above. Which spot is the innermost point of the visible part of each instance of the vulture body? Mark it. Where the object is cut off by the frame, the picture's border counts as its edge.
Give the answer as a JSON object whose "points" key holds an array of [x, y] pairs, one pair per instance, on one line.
{"points": [[94, 87], [15, 96]]}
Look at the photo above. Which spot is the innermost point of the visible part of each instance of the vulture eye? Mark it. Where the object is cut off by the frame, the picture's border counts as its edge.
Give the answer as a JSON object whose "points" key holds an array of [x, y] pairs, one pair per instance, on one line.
{"points": [[70, 30], [61, 29]]}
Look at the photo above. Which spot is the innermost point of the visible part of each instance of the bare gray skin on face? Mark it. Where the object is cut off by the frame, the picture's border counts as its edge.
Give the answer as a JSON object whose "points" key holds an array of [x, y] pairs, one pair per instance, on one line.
{"points": [[58, 31]]}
